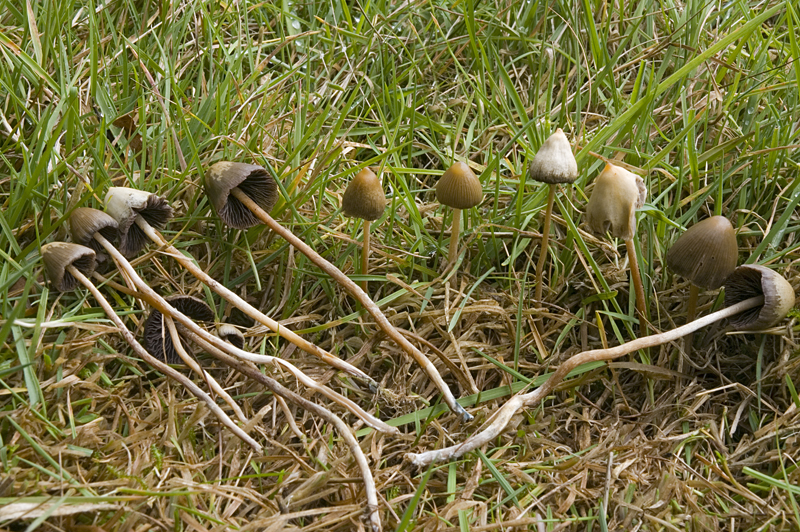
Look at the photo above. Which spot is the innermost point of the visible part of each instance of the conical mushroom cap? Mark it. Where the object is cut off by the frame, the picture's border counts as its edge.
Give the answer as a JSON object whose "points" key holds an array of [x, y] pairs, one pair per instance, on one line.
{"points": [[364, 198], [124, 205], [616, 196], [84, 222], [554, 162], [459, 188], [58, 255], [253, 180], [706, 253], [157, 339], [752, 280]]}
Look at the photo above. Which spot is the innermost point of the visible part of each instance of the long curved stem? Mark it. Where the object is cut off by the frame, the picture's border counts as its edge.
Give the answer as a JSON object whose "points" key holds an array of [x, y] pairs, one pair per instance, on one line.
{"points": [[507, 411], [248, 309], [636, 278], [336, 274], [551, 196], [160, 366]]}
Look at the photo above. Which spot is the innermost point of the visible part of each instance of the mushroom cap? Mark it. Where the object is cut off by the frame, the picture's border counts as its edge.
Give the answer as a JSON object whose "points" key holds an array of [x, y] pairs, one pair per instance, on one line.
{"points": [[124, 205], [706, 253], [58, 255], [253, 180], [752, 280], [157, 339], [364, 198], [554, 162], [459, 188], [612, 207], [84, 222], [231, 334]]}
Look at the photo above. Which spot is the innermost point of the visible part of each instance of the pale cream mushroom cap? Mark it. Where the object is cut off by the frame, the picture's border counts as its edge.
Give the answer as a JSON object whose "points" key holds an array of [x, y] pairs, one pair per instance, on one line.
{"points": [[612, 207]]}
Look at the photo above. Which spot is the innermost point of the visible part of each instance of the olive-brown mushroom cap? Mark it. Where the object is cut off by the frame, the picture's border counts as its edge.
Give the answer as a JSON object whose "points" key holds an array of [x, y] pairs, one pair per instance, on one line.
{"points": [[554, 163], [751, 280], [253, 180], [612, 207], [157, 339], [459, 188], [84, 222], [706, 253], [124, 205], [58, 255], [364, 198]]}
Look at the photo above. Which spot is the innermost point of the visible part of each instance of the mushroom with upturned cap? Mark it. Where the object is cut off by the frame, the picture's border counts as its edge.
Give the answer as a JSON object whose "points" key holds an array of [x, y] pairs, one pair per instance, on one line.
{"points": [[254, 181], [459, 189], [157, 339], [126, 205], [231, 334], [364, 198], [59, 257], [752, 280]]}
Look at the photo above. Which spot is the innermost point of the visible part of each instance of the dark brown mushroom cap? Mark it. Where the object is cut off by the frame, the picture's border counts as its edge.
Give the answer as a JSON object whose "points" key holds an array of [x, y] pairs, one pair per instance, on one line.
{"points": [[459, 188], [84, 222], [157, 339], [706, 253], [58, 255], [124, 205], [364, 198], [253, 180], [751, 280], [554, 162], [612, 207], [231, 334]]}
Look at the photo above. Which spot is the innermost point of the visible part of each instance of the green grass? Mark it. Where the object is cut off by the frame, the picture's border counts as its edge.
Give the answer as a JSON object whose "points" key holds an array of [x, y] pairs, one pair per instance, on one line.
{"points": [[701, 97]]}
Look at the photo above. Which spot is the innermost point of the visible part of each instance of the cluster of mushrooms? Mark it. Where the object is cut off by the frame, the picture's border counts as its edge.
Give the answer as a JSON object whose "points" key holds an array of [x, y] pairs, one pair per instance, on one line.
{"points": [[243, 194]]}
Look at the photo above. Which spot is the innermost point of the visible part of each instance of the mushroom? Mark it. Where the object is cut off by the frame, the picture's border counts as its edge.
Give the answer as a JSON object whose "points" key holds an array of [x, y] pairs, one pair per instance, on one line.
{"points": [[705, 255], [458, 188], [612, 208], [769, 297], [67, 266], [230, 334], [231, 195], [119, 204], [156, 338], [752, 280], [364, 198], [553, 164]]}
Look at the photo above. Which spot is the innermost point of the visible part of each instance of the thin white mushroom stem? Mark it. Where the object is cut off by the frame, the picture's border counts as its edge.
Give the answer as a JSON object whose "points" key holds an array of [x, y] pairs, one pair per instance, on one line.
{"points": [[365, 256], [551, 196], [503, 416], [248, 309], [189, 360], [361, 296], [208, 341], [636, 279], [455, 232], [161, 366]]}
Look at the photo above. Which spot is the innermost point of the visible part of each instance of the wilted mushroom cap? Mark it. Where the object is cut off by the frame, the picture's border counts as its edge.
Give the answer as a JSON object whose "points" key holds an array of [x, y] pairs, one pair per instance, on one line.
{"points": [[253, 180], [84, 222], [751, 280], [459, 188], [157, 339], [554, 162], [231, 334], [706, 253], [612, 207], [364, 198], [58, 255], [124, 205]]}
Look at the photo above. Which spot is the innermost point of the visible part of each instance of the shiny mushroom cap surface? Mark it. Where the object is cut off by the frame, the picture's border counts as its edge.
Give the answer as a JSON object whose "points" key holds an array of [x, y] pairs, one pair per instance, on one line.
{"points": [[364, 198], [554, 163], [706, 253], [612, 207], [751, 280], [58, 255], [157, 339], [253, 180], [124, 205], [84, 222], [459, 188]]}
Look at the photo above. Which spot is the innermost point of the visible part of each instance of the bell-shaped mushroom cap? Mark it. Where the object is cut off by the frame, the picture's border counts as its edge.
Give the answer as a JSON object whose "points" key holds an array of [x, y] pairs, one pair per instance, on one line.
{"points": [[616, 196], [364, 198], [58, 255], [230, 334], [124, 205], [84, 222], [706, 253], [751, 280], [157, 339], [251, 179], [554, 162], [459, 188]]}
